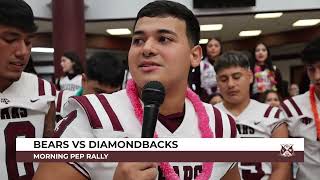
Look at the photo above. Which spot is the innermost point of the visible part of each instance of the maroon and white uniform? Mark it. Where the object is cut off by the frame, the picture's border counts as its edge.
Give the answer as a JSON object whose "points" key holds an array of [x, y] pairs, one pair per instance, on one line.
{"points": [[301, 124], [258, 120], [61, 99], [23, 107], [112, 116]]}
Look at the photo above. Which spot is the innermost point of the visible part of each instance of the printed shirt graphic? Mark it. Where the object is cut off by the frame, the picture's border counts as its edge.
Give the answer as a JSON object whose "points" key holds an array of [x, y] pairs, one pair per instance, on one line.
{"points": [[258, 120], [301, 124], [71, 84], [112, 116], [22, 115]]}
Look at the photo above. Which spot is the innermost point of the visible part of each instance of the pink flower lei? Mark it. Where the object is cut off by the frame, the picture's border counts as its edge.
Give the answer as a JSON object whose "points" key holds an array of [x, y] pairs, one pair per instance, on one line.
{"points": [[203, 125]]}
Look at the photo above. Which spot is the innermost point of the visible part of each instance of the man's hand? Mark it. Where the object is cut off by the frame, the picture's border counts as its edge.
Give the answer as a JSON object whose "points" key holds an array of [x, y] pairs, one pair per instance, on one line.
{"points": [[135, 170]]}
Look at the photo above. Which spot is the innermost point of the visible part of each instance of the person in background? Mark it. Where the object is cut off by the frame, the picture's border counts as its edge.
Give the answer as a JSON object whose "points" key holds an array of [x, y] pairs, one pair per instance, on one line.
{"points": [[202, 79], [303, 114], [104, 74], [253, 119], [164, 46], [294, 90], [26, 101], [272, 97], [266, 76], [215, 98], [72, 69]]}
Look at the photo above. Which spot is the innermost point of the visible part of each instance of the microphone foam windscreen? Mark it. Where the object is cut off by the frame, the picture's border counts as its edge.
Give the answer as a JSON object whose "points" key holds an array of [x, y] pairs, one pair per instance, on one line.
{"points": [[153, 93]]}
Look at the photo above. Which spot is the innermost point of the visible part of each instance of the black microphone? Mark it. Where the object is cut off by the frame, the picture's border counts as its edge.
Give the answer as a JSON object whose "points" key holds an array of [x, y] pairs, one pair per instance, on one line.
{"points": [[153, 94]]}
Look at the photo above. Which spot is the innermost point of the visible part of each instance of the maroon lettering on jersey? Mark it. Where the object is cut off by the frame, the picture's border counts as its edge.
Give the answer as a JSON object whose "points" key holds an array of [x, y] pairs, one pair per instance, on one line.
{"points": [[277, 115], [189, 172], [286, 109], [267, 113], [41, 87], [59, 101], [197, 170], [233, 126], [306, 120], [218, 123], [13, 131], [64, 124], [295, 106], [248, 175], [112, 115], [53, 89], [91, 113]]}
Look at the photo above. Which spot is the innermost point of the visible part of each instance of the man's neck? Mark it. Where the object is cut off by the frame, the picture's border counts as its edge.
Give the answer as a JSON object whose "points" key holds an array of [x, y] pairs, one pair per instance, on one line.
{"points": [[236, 109], [4, 84]]}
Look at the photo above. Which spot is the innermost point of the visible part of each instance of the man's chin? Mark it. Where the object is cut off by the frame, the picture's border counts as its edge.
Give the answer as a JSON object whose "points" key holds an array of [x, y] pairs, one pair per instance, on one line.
{"points": [[14, 76]]}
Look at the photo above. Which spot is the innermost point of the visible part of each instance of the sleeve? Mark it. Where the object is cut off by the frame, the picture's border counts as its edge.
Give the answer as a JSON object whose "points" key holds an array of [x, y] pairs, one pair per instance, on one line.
{"points": [[224, 124], [273, 117], [292, 113], [76, 125]]}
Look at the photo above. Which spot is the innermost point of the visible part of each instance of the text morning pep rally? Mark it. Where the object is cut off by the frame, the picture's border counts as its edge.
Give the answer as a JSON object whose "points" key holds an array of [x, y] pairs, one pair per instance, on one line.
{"points": [[106, 144]]}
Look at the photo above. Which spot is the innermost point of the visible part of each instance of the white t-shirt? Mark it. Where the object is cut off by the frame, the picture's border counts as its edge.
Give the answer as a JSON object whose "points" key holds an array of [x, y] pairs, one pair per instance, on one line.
{"points": [[70, 84]]}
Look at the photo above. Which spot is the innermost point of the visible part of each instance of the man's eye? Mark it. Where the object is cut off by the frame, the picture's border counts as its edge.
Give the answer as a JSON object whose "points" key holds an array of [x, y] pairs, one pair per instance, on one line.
{"points": [[9, 40], [137, 41], [164, 39]]}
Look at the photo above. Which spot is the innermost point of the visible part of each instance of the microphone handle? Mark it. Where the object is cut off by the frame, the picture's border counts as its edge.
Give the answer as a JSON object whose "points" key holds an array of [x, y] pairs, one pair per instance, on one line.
{"points": [[150, 117]]}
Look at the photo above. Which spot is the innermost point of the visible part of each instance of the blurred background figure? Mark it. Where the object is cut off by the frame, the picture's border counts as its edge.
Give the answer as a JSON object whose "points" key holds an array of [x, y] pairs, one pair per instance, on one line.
{"points": [[203, 78], [104, 74], [215, 98], [266, 76], [293, 90], [72, 69], [273, 98]]}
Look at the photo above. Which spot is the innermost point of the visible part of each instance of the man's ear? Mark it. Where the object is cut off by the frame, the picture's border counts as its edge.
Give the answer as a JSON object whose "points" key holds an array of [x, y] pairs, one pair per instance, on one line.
{"points": [[84, 79], [195, 56]]}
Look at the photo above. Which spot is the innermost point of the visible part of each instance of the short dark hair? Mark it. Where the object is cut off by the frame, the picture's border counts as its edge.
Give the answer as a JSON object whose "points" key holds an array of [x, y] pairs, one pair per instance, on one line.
{"points": [[231, 59], [311, 53], [173, 9], [77, 66], [106, 69], [18, 14]]}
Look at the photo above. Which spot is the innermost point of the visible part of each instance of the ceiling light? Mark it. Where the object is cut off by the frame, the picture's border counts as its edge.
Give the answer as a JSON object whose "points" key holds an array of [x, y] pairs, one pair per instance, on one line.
{"points": [[42, 50], [250, 33], [203, 41], [211, 27], [121, 31], [268, 15], [306, 22]]}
